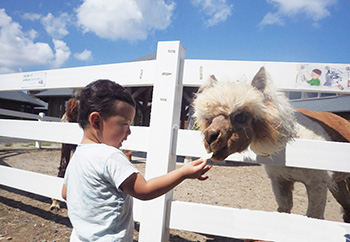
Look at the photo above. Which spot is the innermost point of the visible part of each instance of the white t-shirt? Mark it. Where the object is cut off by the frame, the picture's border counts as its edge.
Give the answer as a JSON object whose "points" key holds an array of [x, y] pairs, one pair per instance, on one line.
{"points": [[97, 208]]}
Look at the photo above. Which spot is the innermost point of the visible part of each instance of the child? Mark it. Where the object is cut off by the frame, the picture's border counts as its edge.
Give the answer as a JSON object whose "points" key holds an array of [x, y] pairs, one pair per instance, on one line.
{"points": [[315, 81], [99, 178]]}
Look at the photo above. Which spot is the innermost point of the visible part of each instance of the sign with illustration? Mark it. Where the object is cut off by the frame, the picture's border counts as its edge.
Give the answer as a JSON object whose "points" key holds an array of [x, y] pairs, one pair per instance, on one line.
{"points": [[328, 77]]}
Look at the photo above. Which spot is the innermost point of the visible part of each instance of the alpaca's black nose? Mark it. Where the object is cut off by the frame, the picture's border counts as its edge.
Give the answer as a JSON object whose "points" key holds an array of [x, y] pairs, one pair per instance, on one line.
{"points": [[212, 136]]}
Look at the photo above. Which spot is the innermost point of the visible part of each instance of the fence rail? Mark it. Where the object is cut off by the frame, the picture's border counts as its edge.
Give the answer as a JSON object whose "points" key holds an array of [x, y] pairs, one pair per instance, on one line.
{"points": [[163, 141]]}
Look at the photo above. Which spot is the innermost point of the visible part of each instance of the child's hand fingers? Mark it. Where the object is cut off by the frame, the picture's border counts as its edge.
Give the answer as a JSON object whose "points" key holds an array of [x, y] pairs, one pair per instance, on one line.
{"points": [[205, 170], [200, 162]]}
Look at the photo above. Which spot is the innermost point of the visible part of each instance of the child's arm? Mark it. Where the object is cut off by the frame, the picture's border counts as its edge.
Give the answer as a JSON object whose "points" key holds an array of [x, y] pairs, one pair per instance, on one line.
{"points": [[138, 187]]}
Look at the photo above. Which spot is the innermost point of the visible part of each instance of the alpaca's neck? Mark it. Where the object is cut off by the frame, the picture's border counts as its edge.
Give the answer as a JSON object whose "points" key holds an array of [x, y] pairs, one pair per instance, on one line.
{"points": [[277, 128]]}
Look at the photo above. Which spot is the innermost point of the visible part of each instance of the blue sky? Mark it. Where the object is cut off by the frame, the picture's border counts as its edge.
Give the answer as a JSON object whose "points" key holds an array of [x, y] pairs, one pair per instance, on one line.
{"points": [[50, 34]]}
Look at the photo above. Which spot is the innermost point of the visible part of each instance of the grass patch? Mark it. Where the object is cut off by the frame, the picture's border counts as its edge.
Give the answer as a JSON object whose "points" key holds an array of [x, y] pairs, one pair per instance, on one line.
{"points": [[8, 145]]}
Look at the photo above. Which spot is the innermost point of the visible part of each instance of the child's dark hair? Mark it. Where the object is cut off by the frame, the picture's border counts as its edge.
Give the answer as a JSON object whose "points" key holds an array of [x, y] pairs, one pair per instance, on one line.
{"points": [[101, 96]]}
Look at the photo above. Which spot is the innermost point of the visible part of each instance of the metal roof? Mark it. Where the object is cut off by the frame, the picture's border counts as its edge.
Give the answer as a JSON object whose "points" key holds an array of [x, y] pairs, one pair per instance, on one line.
{"points": [[56, 92], [21, 97], [151, 56], [325, 104]]}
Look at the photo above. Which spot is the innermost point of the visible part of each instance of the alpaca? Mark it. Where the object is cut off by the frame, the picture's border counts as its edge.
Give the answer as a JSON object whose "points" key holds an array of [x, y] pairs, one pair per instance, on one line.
{"points": [[235, 115]]}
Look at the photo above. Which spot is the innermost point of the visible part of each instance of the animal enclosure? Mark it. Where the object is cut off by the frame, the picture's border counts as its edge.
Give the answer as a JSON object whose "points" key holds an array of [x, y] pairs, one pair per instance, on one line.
{"points": [[163, 141]]}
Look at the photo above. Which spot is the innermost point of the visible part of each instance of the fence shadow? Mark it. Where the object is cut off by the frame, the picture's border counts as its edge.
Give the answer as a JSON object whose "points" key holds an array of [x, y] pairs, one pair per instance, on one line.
{"points": [[7, 153], [33, 210]]}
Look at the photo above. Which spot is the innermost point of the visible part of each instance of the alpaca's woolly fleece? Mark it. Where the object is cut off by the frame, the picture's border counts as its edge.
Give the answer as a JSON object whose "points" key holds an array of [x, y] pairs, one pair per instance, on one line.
{"points": [[226, 98], [269, 108]]}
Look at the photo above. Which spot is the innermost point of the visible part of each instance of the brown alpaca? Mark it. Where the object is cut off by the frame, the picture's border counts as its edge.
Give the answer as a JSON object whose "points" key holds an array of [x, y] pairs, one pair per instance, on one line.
{"points": [[235, 115]]}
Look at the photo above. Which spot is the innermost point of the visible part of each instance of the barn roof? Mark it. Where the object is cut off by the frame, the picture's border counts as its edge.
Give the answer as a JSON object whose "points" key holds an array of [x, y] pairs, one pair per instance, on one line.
{"points": [[56, 93], [151, 56], [325, 104], [20, 96]]}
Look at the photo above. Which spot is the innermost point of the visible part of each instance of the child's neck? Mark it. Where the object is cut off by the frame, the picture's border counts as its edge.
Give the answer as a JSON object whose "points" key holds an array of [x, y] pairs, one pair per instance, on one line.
{"points": [[90, 138]]}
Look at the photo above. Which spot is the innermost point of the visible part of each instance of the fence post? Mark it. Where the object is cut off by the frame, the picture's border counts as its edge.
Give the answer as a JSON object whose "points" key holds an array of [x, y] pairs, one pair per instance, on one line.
{"points": [[41, 118], [164, 125]]}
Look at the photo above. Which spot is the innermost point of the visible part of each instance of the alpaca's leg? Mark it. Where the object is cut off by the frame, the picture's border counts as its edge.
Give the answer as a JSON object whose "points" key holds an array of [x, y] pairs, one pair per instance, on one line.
{"points": [[317, 196], [340, 191], [283, 191]]}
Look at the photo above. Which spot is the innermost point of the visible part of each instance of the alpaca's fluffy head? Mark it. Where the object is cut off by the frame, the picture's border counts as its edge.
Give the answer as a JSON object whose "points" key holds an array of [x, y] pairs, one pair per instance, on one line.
{"points": [[234, 115]]}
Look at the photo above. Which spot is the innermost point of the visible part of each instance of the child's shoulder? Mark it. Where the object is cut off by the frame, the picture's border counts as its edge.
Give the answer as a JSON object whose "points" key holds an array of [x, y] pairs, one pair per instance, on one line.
{"points": [[98, 148]]}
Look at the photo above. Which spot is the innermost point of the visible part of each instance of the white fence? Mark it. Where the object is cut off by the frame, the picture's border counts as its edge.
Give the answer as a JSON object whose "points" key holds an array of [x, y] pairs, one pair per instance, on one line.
{"points": [[163, 141], [39, 117]]}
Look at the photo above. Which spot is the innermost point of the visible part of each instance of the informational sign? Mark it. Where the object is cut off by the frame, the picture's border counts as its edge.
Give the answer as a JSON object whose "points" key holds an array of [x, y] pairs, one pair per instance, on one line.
{"points": [[37, 79], [327, 77]]}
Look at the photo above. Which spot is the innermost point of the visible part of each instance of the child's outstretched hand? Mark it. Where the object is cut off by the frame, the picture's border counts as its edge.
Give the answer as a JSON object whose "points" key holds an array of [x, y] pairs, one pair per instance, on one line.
{"points": [[196, 169]]}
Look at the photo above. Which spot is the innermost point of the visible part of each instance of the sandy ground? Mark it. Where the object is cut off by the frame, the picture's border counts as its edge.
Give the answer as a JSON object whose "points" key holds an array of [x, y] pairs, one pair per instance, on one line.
{"points": [[26, 217]]}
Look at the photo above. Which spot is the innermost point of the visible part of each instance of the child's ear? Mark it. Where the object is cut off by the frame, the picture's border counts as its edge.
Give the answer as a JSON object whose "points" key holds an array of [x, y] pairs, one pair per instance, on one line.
{"points": [[95, 120]]}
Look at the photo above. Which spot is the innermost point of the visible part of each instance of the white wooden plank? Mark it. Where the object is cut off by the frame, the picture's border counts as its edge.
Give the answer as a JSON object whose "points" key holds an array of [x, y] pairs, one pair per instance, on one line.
{"points": [[137, 209], [166, 108], [127, 74], [45, 185], [190, 143], [138, 139], [324, 155], [243, 223], [64, 133], [284, 74], [42, 131]]}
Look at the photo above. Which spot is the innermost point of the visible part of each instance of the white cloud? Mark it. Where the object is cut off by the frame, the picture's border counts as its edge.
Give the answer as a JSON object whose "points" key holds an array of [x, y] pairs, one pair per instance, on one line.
{"points": [[124, 19], [62, 53], [31, 16], [313, 9], [83, 56], [18, 48], [56, 27], [217, 10], [272, 18]]}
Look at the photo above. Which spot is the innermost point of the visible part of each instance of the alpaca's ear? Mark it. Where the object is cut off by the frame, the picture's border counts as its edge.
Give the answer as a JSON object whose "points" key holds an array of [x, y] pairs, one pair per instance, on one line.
{"points": [[259, 81], [208, 84]]}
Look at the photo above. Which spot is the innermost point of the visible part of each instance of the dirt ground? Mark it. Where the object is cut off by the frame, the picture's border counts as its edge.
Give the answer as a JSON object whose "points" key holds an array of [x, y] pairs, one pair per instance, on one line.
{"points": [[26, 217]]}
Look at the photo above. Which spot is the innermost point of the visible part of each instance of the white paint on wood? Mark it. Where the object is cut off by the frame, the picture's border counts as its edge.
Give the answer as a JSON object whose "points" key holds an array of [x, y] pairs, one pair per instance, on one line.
{"points": [[244, 223], [284, 74], [127, 74], [45, 185], [166, 107]]}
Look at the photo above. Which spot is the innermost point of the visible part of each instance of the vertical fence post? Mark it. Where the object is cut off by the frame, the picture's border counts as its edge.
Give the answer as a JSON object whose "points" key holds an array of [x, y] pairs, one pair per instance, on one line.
{"points": [[41, 118], [164, 125]]}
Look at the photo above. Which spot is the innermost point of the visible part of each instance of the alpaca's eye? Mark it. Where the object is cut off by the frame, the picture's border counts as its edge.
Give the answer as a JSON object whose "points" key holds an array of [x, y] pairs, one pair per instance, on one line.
{"points": [[241, 118], [209, 120]]}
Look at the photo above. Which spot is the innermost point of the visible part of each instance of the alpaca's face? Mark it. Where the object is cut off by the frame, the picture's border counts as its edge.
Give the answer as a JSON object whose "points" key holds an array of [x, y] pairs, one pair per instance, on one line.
{"points": [[226, 134], [229, 115]]}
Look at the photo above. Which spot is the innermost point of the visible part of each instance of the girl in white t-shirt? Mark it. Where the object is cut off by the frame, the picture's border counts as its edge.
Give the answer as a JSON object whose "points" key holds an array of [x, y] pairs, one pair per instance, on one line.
{"points": [[99, 177]]}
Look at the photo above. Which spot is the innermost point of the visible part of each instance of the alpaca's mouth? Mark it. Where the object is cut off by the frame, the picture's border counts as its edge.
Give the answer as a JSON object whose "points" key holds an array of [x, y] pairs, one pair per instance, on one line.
{"points": [[220, 155]]}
